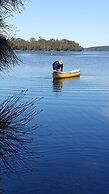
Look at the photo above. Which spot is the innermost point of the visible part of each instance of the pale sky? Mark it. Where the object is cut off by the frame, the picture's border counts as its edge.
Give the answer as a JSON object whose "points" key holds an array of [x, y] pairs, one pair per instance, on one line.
{"points": [[83, 21]]}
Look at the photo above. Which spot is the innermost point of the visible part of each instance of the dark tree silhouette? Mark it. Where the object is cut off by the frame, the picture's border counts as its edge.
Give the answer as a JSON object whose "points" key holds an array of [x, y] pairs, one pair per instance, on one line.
{"points": [[7, 55]]}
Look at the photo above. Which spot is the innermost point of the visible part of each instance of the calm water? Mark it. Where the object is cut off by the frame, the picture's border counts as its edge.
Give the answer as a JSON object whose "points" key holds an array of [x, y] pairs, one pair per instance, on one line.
{"points": [[71, 146]]}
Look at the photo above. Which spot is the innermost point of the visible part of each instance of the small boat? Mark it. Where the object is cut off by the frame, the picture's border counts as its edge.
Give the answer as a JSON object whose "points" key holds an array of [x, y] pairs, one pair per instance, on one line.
{"points": [[68, 74]]}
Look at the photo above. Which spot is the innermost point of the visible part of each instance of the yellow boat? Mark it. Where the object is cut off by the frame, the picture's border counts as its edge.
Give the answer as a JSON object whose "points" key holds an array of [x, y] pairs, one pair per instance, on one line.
{"points": [[69, 74]]}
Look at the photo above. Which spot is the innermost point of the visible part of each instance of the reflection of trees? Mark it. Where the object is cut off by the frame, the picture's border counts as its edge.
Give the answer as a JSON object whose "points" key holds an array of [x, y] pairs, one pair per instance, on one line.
{"points": [[15, 118]]}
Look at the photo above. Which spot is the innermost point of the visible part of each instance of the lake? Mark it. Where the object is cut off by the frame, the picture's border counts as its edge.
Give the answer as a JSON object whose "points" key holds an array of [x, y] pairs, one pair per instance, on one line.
{"points": [[71, 146]]}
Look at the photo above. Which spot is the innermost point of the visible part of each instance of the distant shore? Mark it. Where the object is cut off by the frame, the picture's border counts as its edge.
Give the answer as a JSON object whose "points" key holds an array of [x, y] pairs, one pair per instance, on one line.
{"points": [[51, 45], [97, 48]]}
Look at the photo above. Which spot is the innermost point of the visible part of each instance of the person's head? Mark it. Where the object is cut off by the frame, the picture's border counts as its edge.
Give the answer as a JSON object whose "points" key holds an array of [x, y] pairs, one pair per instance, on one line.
{"points": [[61, 62]]}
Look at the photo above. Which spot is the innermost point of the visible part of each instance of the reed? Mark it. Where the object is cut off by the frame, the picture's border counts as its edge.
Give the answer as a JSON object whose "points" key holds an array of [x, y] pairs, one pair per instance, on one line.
{"points": [[16, 127]]}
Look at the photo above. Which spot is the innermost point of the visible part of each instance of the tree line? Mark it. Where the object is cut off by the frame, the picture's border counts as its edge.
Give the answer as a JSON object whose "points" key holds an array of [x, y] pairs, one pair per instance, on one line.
{"points": [[45, 45], [98, 48]]}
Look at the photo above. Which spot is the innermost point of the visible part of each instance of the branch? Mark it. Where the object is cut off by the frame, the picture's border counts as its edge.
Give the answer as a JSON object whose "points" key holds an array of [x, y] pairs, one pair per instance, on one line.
{"points": [[15, 127]]}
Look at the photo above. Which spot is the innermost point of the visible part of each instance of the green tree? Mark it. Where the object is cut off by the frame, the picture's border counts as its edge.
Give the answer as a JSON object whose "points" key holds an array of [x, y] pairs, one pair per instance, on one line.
{"points": [[46, 45]]}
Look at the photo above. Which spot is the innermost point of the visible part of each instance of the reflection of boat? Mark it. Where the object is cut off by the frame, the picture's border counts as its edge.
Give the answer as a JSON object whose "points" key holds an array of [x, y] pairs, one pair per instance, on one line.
{"points": [[58, 83], [69, 74]]}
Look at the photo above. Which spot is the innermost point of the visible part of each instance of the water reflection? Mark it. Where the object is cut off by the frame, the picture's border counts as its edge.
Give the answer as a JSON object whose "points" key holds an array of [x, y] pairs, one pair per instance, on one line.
{"points": [[58, 83]]}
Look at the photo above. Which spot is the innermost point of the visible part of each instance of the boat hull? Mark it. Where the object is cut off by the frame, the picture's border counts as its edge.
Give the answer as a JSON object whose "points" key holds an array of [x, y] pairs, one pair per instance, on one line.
{"points": [[70, 74]]}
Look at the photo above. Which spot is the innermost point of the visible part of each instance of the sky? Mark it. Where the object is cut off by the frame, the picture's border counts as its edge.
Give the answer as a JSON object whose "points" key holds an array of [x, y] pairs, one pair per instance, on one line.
{"points": [[83, 21]]}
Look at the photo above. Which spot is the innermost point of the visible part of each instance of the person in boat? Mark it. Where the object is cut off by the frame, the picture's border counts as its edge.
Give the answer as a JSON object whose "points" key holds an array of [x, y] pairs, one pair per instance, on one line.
{"points": [[58, 66]]}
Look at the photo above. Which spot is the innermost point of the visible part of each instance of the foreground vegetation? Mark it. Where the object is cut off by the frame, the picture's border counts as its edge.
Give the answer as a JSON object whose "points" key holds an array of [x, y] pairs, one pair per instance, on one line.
{"points": [[16, 127], [45, 45]]}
